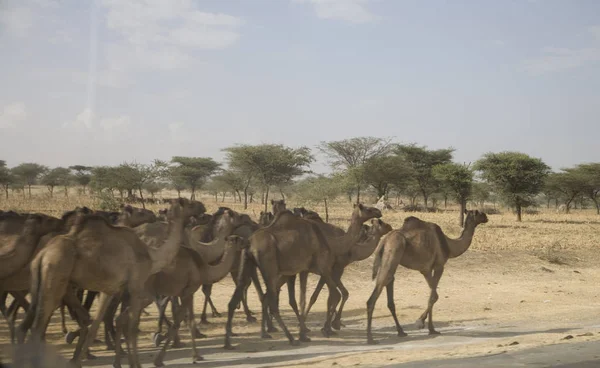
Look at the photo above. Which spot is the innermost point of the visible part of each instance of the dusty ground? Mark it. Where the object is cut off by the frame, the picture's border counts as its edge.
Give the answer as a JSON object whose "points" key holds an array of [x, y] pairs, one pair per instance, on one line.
{"points": [[532, 283]]}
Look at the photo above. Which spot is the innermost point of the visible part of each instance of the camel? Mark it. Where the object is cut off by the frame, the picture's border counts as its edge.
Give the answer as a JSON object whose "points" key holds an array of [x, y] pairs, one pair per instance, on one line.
{"points": [[96, 255], [422, 246], [186, 276], [278, 206], [368, 241], [288, 246], [265, 218], [19, 237]]}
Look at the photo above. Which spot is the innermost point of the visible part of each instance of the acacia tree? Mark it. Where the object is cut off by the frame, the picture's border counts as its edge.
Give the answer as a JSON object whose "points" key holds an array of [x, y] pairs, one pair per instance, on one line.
{"points": [[568, 184], [82, 175], [481, 193], [590, 174], [29, 173], [353, 154], [6, 177], [384, 172], [459, 180], [515, 176], [269, 164], [231, 180], [193, 171], [322, 188], [422, 161], [59, 176]]}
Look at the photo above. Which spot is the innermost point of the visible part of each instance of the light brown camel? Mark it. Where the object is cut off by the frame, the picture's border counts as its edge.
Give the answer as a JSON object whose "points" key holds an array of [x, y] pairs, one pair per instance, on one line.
{"points": [[19, 237], [188, 273], [362, 249], [288, 246], [422, 246], [278, 206], [96, 255]]}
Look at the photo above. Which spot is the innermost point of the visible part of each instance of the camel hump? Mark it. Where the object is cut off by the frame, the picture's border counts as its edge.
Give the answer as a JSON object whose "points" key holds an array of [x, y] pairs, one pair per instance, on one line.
{"points": [[412, 222], [282, 217]]}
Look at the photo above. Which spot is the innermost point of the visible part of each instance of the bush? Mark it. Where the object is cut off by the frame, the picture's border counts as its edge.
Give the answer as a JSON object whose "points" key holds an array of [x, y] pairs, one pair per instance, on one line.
{"points": [[107, 202]]}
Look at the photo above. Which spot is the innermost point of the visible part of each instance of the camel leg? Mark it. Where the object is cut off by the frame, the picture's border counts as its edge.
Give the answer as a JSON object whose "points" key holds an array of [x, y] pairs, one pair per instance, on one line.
{"points": [[161, 305], [109, 326], [12, 312], [188, 303], [433, 279], [246, 275], [392, 307], [247, 311], [337, 322], [63, 322], [136, 304], [213, 309], [89, 299], [303, 282], [3, 297], [86, 337], [370, 308], [315, 295], [332, 301], [81, 316], [177, 318], [266, 317], [206, 290], [175, 307]]}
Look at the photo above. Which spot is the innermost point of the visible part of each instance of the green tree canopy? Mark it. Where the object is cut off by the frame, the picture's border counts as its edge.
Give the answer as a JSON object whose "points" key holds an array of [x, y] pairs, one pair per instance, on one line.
{"points": [[353, 154], [422, 161], [590, 174], [482, 192], [322, 188], [6, 177], [29, 173], [82, 175], [384, 172], [515, 176], [459, 180], [193, 171], [269, 164], [567, 185], [59, 176]]}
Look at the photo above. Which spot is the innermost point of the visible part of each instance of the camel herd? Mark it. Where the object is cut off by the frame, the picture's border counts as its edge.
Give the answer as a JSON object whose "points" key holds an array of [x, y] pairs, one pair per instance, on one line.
{"points": [[124, 261]]}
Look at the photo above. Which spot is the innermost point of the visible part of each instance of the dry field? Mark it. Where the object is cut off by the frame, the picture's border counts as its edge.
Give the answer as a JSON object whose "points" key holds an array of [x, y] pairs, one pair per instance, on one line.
{"points": [[531, 283]]}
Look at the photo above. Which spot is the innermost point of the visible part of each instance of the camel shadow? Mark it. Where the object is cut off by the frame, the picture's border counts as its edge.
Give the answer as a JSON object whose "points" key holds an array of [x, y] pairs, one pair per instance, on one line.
{"points": [[569, 222]]}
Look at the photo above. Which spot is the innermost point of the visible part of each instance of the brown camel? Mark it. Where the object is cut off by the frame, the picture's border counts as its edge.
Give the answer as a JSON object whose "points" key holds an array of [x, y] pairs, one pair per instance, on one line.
{"points": [[288, 246], [278, 206], [368, 241], [19, 237], [187, 274], [96, 255], [422, 246]]}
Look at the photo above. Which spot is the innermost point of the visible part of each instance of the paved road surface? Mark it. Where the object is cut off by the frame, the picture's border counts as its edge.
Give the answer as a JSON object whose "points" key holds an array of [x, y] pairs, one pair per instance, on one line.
{"points": [[573, 355]]}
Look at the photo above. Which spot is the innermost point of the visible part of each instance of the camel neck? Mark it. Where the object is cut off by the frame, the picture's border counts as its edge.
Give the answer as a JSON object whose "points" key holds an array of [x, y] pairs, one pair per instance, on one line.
{"points": [[460, 245], [165, 254], [219, 271], [364, 250]]}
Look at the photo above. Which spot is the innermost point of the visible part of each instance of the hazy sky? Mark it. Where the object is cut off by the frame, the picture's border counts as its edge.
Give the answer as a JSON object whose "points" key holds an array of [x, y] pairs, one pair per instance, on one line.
{"points": [[85, 82]]}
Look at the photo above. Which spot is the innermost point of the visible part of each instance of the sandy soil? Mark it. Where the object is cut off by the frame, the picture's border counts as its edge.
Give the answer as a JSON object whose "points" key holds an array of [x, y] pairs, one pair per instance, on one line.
{"points": [[488, 301]]}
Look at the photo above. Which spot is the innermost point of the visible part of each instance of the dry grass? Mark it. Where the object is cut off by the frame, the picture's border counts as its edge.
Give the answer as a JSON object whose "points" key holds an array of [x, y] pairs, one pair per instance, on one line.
{"points": [[547, 234]]}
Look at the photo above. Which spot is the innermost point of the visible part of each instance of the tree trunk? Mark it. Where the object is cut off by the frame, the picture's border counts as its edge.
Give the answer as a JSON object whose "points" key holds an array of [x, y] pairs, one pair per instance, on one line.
{"points": [[51, 190], [358, 194], [216, 197], [29, 186], [446, 204], [519, 212], [193, 195], [282, 195], [262, 198], [178, 193], [239, 195], [326, 210], [66, 191], [84, 187], [548, 204], [251, 197], [266, 198], [6, 191], [425, 198], [142, 197], [461, 218], [246, 198], [223, 198], [594, 199]]}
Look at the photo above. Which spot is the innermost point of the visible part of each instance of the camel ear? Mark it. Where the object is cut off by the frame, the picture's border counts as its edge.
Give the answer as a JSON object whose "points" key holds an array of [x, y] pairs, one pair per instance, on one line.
{"points": [[181, 202], [466, 211], [272, 202], [128, 208], [380, 222], [360, 206]]}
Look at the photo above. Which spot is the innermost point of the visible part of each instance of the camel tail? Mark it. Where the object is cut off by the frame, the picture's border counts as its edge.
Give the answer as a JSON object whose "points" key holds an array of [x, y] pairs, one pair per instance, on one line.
{"points": [[377, 259]]}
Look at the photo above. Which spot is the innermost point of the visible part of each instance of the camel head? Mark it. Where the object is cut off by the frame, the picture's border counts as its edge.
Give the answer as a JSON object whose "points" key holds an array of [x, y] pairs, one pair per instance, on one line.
{"points": [[40, 224], [134, 216], [365, 231], [379, 227], [298, 211], [202, 219], [278, 206], [265, 218], [475, 218], [182, 207], [227, 220], [68, 218], [237, 242], [364, 213], [162, 214]]}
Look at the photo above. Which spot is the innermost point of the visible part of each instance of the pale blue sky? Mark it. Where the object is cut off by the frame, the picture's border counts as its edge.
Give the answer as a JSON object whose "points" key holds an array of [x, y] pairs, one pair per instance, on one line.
{"points": [[101, 82]]}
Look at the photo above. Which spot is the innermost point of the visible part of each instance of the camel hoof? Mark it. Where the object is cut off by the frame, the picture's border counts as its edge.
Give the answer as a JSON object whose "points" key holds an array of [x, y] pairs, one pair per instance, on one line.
{"points": [[434, 332], [73, 363], [204, 321], [370, 341], [159, 363], [233, 334], [199, 335], [337, 325], [177, 345], [110, 347], [251, 319], [70, 337], [402, 334], [272, 329], [116, 365], [216, 314], [304, 338], [265, 336], [158, 339], [228, 346], [328, 332], [197, 358], [420, 324], [294, 342], [90, 356]]}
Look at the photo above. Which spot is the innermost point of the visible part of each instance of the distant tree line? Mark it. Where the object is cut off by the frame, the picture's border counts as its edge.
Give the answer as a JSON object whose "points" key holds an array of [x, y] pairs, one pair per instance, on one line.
{"points": [[359, 165]]}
